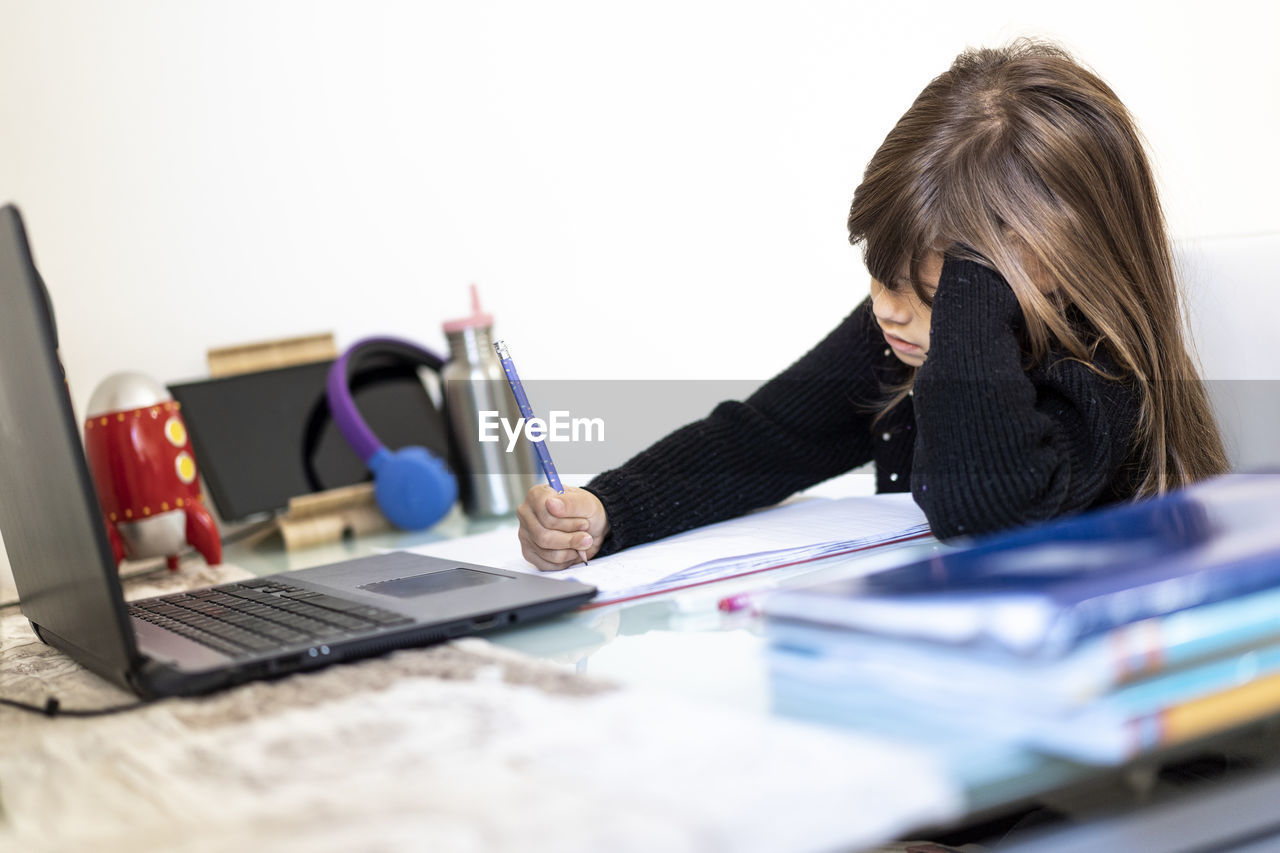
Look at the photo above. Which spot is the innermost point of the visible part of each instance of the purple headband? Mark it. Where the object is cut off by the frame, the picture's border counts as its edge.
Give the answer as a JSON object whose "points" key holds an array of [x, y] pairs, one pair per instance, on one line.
{"points": [[338, 388]]}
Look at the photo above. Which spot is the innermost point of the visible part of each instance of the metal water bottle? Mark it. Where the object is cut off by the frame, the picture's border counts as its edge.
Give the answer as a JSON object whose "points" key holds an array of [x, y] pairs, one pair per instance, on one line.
{"points": [[494, 479]]}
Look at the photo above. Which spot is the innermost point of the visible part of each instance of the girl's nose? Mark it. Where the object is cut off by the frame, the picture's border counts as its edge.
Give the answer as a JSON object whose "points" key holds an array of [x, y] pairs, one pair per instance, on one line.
{"points": [[890, 307]]}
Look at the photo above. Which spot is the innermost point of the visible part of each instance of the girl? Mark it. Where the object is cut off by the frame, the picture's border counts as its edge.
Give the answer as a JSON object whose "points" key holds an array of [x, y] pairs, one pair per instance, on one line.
{"points": [[1021, 355]]}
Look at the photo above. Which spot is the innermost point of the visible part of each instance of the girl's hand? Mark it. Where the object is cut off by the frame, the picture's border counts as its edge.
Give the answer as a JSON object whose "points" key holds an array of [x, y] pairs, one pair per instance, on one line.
{"points": [[558, 531]]}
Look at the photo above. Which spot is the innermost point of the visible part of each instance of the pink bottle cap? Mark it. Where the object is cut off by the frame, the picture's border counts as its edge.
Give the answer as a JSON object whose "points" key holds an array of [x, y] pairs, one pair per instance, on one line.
{"points": [[477, 319]]}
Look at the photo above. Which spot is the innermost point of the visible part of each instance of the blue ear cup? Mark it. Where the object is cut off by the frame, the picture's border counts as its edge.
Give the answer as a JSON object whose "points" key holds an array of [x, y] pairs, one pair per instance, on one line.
{"points": [[413, 487]]}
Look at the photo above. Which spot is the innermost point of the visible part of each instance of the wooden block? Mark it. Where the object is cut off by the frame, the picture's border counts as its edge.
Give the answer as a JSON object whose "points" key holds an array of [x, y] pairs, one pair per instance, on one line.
{"points": [[330, 515], [267, 355]]}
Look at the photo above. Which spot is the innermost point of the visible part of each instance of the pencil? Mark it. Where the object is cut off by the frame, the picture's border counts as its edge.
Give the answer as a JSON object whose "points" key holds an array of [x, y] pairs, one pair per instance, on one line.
{"points": [[522, 400]]}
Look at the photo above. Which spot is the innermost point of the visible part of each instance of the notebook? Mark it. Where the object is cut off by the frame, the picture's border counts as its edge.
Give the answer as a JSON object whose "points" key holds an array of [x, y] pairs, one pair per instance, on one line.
{"points": [[206, 639], [1102, 663], [789, 536]]}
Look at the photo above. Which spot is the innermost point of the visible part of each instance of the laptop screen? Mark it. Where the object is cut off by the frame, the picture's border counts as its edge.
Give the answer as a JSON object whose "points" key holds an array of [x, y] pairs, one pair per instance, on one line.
{"points": [[49, 515]]}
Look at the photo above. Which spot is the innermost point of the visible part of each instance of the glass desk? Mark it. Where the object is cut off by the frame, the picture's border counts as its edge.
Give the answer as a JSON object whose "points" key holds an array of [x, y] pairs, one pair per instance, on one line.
{"points": [[669, 641], [681, 642]]}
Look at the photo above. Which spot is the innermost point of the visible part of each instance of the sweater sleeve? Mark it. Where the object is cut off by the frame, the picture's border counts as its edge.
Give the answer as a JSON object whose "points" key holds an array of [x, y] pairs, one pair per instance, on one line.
{"points": [[997, 446], [808, 424]]}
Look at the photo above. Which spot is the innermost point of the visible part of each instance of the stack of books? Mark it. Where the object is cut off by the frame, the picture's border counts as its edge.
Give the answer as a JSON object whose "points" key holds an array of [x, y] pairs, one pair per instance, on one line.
{"points": [[1095, 638]]}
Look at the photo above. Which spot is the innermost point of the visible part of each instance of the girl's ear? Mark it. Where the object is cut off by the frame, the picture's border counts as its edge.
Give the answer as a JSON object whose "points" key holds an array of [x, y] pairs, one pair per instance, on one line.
{"points": [[1031, 265], [1044, 282]]}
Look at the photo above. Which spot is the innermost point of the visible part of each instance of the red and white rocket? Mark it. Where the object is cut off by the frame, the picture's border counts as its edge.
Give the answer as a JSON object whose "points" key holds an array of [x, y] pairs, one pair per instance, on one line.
{"points": [[145, 471]]}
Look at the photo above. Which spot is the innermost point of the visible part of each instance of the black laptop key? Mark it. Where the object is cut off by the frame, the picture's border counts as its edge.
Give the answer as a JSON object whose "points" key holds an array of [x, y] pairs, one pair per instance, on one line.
{"points": [[387, 619], [250, 595], [348, 608], [347, 622], [282, 633], [242, 638], [331, 602], [201, 636], [302, 609]]}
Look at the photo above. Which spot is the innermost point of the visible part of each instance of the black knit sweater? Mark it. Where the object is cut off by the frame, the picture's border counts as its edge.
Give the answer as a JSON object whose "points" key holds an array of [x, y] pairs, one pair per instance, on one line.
{"points": [[982, 443]]}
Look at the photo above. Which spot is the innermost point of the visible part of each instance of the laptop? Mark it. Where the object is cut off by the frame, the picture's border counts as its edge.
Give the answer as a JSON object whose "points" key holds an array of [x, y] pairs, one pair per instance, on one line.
{"points": [[206, 639]]}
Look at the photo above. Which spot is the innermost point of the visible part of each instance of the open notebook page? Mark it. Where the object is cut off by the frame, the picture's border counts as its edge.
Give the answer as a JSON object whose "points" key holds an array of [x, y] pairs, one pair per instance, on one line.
{"points": [[797, 531]]}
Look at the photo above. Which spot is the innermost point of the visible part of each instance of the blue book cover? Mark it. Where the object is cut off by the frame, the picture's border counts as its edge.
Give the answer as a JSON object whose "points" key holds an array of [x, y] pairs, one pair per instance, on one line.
{"points": [[1098, 665], [1040, 590], [1168, 709]]}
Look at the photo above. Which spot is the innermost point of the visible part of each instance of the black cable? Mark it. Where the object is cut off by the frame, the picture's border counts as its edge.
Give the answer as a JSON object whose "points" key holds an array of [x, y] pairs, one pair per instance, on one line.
{"points": [[53, 708]]}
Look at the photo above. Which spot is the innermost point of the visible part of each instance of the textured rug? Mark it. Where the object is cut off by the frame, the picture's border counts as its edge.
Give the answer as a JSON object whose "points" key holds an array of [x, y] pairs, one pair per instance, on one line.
{"points": [[458, 747]]}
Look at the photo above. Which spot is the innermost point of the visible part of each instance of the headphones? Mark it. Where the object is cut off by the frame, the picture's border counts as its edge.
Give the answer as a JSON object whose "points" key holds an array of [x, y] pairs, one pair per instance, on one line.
{"points": [[413, 487]]}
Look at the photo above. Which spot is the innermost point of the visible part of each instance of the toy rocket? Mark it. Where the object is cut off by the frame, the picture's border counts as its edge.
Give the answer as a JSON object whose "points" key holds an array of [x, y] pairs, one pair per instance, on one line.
{"points": [[145, 471]]}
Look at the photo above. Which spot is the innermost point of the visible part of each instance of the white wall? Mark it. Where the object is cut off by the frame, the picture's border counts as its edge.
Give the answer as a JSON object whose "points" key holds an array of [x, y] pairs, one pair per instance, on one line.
{"points": [[645, 190], [642, 190]]}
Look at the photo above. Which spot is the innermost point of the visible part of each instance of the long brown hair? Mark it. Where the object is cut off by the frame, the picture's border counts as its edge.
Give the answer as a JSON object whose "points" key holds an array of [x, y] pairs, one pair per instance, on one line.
{"points": [[1023, 160]]}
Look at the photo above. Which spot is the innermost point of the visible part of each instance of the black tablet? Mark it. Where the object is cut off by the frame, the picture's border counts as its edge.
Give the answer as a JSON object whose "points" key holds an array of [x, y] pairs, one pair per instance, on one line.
{"points": [[262, 438]]}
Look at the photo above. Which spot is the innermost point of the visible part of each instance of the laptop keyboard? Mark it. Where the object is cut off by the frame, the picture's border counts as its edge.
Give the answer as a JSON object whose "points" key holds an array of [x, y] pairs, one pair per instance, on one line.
{"points": [[258, 616]]}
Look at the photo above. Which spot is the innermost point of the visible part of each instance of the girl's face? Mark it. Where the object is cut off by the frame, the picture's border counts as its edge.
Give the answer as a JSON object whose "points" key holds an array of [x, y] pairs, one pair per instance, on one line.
{"points": [[903, 318]]}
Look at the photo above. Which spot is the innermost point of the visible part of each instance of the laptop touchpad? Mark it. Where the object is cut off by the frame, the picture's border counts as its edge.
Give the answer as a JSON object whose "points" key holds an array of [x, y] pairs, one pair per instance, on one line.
{"points": [[431, 583]]}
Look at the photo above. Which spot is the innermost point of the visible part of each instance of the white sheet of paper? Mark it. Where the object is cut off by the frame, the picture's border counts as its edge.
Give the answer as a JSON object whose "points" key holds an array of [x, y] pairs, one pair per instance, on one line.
{"points": [[800, 530]]}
